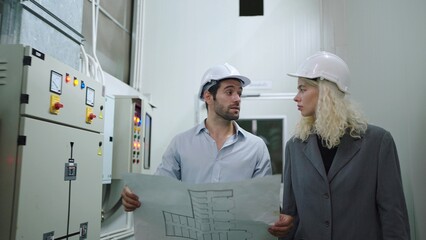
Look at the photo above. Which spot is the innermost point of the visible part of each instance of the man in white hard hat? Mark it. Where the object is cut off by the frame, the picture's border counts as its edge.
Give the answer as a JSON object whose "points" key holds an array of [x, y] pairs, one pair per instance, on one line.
{"points": [[216, 150]]}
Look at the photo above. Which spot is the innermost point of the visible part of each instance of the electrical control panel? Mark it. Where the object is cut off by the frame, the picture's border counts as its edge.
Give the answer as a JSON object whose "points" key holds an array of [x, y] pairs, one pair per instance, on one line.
{"points": [[108, 139], [128, 136], [51, 135]]}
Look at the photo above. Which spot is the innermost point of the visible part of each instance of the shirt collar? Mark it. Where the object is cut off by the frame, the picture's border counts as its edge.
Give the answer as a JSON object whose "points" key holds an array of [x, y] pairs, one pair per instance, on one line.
{"points": [[202, 127]]}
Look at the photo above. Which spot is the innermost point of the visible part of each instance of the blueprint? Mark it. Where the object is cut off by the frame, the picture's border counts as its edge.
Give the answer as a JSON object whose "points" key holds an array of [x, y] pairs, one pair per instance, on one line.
{"points": [[173, 210]]}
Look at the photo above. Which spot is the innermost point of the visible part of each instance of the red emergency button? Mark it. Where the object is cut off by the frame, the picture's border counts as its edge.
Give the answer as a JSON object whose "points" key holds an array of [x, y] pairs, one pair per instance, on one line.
{"points": [[55, 104], [92, 116], [58, 105]]}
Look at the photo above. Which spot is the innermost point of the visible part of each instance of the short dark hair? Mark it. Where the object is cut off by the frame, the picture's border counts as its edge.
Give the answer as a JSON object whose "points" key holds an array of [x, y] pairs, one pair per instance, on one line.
{"points": [[213, 91]]}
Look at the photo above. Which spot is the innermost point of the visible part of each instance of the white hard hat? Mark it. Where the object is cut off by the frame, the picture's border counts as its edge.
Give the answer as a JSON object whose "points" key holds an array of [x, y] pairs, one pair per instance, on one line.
{"points": [[220, 72], [325, 66]]}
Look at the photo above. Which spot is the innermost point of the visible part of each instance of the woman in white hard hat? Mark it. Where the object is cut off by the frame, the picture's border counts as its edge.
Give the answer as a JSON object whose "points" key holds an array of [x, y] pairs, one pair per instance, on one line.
{"points": [[342, 176]]}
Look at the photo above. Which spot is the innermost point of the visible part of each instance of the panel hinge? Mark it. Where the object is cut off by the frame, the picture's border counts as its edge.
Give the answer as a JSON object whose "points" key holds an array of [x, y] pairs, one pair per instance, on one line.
{"points": [[25, 98], [27, 61], [22, 140]]}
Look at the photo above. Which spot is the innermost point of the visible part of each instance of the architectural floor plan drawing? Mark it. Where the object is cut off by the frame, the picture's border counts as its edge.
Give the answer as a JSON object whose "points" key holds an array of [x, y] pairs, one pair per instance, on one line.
{"points": [[212, 218], [172, 210]]}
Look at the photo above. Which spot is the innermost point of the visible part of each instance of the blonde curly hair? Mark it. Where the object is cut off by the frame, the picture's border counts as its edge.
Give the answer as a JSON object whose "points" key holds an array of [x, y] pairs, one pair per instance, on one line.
{"points": [[334, 116]]}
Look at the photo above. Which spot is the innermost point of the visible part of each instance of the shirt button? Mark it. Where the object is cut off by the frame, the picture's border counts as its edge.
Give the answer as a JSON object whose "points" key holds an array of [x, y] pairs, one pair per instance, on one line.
{"points": [[327, 224], [326, 196]]}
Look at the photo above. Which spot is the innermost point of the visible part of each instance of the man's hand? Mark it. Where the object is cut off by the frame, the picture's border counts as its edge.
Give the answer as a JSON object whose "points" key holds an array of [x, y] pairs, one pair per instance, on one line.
{"points": [[282, 226], [129, 200]]}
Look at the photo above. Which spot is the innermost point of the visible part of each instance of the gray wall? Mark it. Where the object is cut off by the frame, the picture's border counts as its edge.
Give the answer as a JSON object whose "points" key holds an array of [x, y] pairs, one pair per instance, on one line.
{"points": [[387, 52], [384, 46]]}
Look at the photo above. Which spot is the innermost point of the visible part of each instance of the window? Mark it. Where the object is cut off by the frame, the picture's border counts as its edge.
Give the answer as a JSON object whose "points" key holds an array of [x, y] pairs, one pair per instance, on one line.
{"points": [[1, 16], [1, 11], [272, 132], [114, 36]]}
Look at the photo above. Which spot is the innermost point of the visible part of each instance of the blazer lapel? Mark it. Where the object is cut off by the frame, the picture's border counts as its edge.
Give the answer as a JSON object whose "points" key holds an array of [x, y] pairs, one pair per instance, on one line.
{"points": [[313, 154], [346, 151]]}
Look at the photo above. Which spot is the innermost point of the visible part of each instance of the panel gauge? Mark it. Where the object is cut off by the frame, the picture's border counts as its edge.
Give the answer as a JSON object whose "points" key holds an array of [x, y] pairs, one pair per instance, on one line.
{"points": [[55, 82], [90, 97]]}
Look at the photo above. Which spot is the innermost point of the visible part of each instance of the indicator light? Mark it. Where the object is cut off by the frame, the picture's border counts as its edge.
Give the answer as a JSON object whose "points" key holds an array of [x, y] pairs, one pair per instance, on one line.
{"points": [[75, 81], [67, 78], [82, 85], [101, 116]]}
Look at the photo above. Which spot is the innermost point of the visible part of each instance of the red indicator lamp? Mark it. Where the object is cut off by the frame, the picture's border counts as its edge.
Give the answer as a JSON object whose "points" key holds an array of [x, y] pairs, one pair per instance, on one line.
{"points": [[67, 78]]}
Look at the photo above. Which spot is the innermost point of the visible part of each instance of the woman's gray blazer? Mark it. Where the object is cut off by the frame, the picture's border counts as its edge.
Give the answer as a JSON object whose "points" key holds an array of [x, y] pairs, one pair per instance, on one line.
{"points": [[361, 198]]}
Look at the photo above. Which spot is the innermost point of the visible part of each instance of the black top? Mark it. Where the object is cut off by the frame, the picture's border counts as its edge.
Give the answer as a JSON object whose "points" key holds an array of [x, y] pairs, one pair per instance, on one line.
{"points": [[326, 154]]}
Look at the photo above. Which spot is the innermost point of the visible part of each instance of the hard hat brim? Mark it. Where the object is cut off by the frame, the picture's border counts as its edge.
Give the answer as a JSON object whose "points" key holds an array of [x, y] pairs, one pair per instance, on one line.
{"points": [[244, 82], [341, 88], [297, 75]]}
